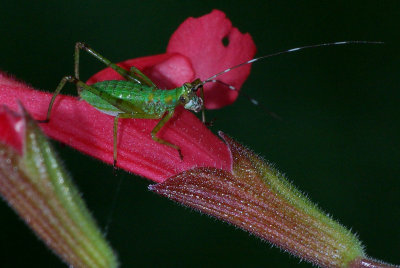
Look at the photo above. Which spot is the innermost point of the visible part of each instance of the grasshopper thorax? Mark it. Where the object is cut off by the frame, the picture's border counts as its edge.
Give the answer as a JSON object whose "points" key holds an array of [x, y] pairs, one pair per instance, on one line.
{"points": [[188, 97]]}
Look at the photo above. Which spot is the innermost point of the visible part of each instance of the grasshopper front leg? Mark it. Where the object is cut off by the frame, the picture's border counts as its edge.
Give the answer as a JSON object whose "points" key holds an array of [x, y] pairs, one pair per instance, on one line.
{"points": [[154, 132], [158, 127]]}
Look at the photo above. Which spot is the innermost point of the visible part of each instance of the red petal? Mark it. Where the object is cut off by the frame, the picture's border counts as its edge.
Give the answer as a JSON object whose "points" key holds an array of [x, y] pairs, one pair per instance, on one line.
{"points": [[79, 125], [12, 128], [200, 40]]}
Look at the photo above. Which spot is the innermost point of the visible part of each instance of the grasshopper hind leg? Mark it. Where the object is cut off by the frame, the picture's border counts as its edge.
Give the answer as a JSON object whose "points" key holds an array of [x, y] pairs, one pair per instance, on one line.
{"points": [[154, 132], [133, 74]]}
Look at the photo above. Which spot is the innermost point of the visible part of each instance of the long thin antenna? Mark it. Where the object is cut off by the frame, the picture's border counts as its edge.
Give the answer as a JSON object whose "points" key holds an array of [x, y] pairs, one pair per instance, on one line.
{"points": [[253, 101], [289, 51]]}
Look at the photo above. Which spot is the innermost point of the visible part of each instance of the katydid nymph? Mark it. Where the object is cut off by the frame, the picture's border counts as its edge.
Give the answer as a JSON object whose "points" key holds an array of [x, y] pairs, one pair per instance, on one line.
{"points": [[139, 97]]}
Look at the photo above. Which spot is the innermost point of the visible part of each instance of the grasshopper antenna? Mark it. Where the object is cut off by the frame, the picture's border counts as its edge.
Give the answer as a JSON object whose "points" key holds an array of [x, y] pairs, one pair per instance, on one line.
{"points": [[254, 101], [289, 51]]}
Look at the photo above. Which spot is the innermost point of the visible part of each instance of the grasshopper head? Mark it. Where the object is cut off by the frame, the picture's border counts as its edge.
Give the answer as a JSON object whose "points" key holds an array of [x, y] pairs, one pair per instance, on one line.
{"points": [[189, 98]]}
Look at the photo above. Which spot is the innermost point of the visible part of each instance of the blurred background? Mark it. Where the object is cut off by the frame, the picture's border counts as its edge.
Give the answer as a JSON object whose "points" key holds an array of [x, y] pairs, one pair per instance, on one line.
{"points": [[338, 140]]}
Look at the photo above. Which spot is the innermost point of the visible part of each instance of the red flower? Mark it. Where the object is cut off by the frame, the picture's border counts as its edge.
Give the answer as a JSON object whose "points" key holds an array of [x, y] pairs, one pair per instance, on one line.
{"points": [[194, 51], [231, 184]]}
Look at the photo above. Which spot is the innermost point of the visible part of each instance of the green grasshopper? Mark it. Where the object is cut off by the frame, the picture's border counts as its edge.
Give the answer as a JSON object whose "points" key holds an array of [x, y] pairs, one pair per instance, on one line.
{"points": [[139, 97]]}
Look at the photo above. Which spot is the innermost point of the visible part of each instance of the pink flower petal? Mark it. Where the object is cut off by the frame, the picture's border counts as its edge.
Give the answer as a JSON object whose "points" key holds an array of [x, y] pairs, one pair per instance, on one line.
{"points": [[200, 39], [12, 128]]}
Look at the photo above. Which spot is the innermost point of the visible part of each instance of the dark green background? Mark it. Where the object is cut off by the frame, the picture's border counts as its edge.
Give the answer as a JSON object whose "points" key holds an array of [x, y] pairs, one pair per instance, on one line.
{"points": [[338, 142]]}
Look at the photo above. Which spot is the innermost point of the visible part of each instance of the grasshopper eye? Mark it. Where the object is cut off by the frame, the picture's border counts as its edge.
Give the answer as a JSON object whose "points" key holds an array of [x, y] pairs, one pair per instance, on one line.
{"points": [[182, 99]]}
